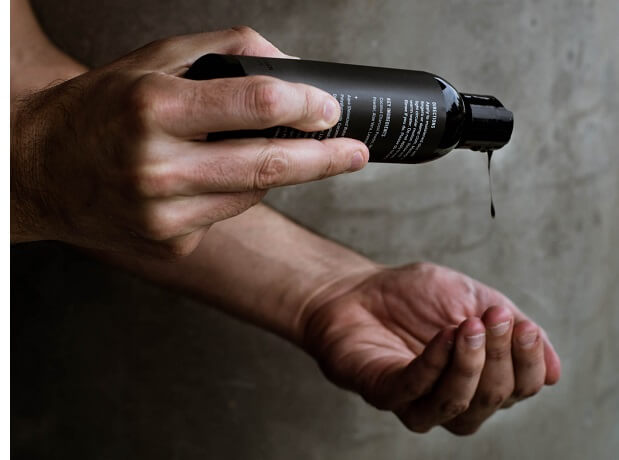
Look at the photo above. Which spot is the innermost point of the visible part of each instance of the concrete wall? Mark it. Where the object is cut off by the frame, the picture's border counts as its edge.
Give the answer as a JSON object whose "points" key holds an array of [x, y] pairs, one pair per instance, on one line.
{"points": [[107, 366]]}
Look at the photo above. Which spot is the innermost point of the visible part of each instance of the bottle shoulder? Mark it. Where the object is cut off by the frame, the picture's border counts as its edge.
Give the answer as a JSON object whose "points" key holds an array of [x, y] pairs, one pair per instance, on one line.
{"points": [[455, 116]]}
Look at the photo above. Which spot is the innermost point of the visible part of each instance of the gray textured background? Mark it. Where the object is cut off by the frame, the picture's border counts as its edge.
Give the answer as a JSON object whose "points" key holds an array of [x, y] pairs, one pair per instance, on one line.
{"points": [[106, 366]]}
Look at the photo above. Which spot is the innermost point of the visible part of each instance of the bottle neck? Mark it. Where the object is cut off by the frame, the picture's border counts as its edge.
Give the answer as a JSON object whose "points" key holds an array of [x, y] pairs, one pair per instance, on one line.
{"points": [[488, 124]]}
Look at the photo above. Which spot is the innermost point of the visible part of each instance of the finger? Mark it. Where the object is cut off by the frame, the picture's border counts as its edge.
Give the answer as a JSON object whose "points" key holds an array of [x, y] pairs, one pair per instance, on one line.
{"points": [[456, 386], [497, 378], [489, 296], [405, 384], [167, 219], [182, 246], [551, 360], [164, 250], [528, 358], [249, 42], [253, 164], [190, 109], [176, 54]]}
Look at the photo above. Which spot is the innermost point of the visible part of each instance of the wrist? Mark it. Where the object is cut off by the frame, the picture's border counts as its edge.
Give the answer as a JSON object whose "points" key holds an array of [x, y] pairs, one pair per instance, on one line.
{"points": [[326, 286], [27, 196]]}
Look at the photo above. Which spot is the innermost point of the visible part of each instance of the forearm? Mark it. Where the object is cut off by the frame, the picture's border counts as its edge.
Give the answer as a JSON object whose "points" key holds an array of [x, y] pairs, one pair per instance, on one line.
{"points": [[35, 64], [258, 266], [35, 61]]}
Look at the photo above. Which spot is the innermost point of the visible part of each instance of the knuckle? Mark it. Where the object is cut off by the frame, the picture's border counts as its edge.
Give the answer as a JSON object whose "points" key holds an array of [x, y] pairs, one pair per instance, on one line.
{"points": [[172, 43], [246, 32], [468, 370], [273, 168], [185, 246], [142, 103], [307, 104], [246, 41], [492, 400], [418, 387], [157, 224], [265, 99], [528, 365], [422, 265], [463, 429], [419, 428], [415, 388], [426, 269], [528, 391], [148, 184], [164, 45], [432, 366], [452, 408], [330, 166], [178, 248], [413, 423], [498, 353]]}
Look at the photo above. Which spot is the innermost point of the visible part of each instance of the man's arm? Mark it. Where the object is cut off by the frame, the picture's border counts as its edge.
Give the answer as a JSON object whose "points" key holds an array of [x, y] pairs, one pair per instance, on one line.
{"points": [[236, 251], [430, 344], [388, 334], [35, 61], [108, 160], [258, 266], [35, 64]]}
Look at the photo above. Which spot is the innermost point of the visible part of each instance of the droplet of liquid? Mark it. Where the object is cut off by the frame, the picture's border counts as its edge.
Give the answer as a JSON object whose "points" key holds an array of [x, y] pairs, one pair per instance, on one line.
{"points": [[492, 212]]}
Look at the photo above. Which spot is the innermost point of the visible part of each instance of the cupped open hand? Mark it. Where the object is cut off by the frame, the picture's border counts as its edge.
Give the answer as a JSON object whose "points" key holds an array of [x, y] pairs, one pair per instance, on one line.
{"points": [[428, 343]]}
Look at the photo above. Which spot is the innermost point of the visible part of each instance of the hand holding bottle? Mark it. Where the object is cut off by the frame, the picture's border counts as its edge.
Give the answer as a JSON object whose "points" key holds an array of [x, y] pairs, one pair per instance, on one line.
{"points": [[111, 159]]}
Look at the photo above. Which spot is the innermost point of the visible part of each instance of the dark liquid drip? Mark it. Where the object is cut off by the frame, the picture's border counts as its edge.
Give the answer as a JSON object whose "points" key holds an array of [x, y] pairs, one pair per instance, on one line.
{"points": [[492, 212]]}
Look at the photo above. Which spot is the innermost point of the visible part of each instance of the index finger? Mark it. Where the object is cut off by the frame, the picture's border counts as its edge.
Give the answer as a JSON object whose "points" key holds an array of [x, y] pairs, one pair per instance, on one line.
{"points": [[191, 109], [399, 386], [452, 394]]}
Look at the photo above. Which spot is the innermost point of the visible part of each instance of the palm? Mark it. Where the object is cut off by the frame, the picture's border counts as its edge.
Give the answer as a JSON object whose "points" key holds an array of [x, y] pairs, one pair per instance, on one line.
{"points": [[383, 324]]}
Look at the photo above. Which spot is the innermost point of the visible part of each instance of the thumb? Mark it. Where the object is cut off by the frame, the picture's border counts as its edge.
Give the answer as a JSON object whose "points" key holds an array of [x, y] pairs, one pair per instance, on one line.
{"points": [[175, 55], [403, 385]]}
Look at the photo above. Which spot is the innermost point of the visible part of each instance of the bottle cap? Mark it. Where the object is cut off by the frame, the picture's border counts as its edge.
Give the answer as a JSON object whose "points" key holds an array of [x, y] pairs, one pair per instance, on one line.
{"points": [[488, 124]]}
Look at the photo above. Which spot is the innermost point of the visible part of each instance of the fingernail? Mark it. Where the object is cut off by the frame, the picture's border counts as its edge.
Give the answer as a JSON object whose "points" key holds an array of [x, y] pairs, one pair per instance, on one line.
{"points": [[500, 329], [475, 341], [331, 111], [356, 162], [528, 339]]}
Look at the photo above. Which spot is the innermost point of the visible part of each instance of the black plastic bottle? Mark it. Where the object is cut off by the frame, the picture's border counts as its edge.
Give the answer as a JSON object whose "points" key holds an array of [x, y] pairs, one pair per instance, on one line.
{"points": [[403, 116]]}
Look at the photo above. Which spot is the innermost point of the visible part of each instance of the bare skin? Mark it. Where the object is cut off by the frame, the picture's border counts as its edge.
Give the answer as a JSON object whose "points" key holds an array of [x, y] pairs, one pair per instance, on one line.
{"points": [[382, 332], [121, 142], [425, 342]]}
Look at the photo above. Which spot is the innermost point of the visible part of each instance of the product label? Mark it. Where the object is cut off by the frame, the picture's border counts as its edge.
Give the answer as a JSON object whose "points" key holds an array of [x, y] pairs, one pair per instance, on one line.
{"points": [[398, 114]]}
